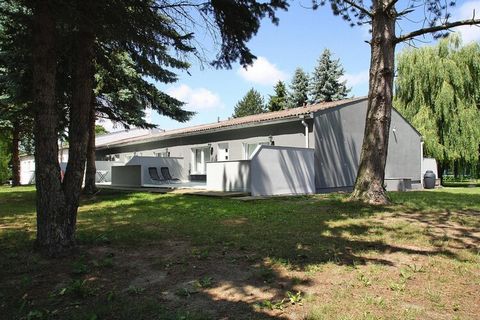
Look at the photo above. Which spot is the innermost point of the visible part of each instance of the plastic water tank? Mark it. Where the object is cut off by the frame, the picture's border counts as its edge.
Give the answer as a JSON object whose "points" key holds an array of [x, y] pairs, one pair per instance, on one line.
{"points": [[429, 179]]}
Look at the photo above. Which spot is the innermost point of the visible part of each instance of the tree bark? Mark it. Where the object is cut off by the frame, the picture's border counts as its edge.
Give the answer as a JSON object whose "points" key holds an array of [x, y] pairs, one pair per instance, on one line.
{"points": [[371, 172], [91, 172], [51, 219], [16, 154], [79, 123], [57, 202]]}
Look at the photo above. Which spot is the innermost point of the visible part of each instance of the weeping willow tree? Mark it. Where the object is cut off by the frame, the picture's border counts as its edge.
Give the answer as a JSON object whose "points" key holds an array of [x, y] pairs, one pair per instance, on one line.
{"points": [[438, 91]]}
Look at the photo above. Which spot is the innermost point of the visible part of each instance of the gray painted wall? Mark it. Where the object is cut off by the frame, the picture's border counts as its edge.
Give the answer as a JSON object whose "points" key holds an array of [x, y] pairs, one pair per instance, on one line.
{"points": [[278, 170], [338, 143], [130, 176], [229, 176], [290, 134], [174, 165]]}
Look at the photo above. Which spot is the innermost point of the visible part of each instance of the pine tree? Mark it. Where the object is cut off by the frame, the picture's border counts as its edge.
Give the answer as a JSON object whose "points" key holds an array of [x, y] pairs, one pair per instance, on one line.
{"points": [[278, 101], [299, 89], [325, 83], [251, 103], [438, 91], [149, 32]]}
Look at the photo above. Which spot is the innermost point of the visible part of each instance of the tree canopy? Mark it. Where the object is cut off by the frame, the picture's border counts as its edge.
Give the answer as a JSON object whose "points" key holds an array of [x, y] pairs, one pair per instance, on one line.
{"points": [[326, 84], [438, 91], [299, 88], [251, 103], [279, 100]]}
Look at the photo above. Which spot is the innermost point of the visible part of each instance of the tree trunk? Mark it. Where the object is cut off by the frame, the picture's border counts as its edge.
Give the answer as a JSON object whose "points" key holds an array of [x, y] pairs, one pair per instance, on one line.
{"points": [[79, 123], [371, 172], [91, 172], [16, 154], [52, 238]]}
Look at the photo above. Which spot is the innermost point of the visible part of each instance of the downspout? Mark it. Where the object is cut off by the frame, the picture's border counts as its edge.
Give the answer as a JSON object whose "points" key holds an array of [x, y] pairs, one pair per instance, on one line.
{"points": [[305, 124]]}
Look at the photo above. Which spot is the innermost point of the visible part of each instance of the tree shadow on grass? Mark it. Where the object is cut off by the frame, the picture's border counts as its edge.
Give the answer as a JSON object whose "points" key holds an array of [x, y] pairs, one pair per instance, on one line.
{"points": [[245, 243]]}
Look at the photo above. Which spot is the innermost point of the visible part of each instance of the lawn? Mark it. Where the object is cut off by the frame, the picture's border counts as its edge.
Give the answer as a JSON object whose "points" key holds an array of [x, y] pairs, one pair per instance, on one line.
{"points": [[173, 256]]}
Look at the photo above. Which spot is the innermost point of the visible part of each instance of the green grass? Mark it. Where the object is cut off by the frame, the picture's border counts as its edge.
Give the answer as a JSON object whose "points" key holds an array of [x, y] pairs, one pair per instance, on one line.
{"points": [[309, 236]]}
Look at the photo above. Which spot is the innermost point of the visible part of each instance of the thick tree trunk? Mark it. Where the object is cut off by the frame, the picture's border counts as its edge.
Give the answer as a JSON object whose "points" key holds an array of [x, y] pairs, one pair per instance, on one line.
{"points": [[371, 172], [52, 238], [79, 123], [16, 154], [91, 172]]}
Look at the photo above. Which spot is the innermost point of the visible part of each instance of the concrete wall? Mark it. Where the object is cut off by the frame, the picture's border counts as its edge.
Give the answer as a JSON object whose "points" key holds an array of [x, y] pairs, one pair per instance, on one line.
{"points": [[27, 170], [338, 144], [282, 170], [229, 176], [129, 176], [174, 165], [106, 166], [290, 134]]}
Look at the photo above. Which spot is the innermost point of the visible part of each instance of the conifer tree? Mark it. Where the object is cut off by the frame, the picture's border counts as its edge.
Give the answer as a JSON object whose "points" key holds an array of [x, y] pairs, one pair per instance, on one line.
{"points": [[251, 103], [326, 84], [438, 91], [150, 32], [299, 89], [278, 101]]}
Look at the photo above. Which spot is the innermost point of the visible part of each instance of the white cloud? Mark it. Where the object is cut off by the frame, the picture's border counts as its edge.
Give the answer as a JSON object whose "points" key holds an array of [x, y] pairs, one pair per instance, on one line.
{"points": [[196, 99], [465, 11], [355, 79], [262, 72]]}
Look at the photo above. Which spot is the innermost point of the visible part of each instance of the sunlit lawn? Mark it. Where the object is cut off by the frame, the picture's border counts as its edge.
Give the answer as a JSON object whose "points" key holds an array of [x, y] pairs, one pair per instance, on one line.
{"points": [[175, 256]]}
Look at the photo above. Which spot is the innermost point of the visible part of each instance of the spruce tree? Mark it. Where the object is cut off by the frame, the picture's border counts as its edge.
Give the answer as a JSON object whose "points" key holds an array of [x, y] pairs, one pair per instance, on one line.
{"points": [[278, 101], [149, 32], [299, 89], [251, 103], [325, 83]]}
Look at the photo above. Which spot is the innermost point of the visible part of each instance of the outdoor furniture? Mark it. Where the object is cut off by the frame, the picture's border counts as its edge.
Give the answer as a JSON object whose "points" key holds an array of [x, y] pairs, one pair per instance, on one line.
{"points": [[102, 175], [152, 171], [166, 174]]}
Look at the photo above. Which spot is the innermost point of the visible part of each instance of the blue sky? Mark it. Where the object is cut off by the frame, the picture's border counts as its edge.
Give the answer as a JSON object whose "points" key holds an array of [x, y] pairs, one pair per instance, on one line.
{"points": [[297, 41]]}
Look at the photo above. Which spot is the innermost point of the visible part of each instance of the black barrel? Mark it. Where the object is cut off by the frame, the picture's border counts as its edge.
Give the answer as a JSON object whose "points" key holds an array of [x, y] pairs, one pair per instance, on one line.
{"points": [[429, 179]]}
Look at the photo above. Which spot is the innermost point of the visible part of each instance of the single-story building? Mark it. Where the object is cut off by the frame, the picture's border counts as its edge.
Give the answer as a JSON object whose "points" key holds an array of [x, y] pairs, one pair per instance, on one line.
{"points": [[320, 143], [334, 130]]}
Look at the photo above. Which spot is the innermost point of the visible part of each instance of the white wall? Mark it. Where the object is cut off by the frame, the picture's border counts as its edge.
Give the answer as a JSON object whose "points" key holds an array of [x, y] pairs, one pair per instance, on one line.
{"points": [[429, 164], [228, 176], [27, 170], [174, 165], [278, 170]]}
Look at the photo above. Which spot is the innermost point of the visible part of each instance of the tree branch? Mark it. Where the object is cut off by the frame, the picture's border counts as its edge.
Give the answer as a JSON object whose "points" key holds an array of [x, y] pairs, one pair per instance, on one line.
{"points": [[358, 7], [390, 5], [441, 27]]}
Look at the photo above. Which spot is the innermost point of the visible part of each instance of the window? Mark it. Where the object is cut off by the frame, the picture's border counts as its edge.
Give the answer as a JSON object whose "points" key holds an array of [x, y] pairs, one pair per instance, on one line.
{"points": [[222, 152], [249, 148], [200, 157]]}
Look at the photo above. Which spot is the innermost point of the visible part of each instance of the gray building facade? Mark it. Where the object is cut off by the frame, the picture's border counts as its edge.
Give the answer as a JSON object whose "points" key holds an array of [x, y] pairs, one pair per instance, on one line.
{"points": [[334, 130]]}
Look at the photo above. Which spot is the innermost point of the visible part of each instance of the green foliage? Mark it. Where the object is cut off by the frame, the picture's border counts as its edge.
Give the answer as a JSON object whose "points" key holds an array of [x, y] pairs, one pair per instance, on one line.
{"points": [[251, 103], [279, 100], [326, 84], [438, 91], [99, 130], [299, 89]]}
